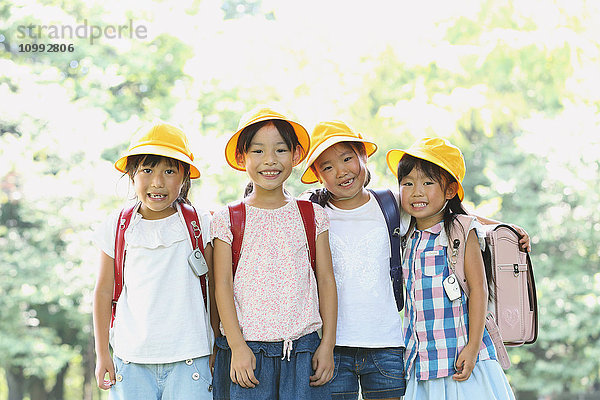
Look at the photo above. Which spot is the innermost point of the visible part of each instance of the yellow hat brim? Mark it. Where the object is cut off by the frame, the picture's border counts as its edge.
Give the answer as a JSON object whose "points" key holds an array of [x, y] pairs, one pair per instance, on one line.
{"points": [[309, 176], [121, 163], [394, 156]]}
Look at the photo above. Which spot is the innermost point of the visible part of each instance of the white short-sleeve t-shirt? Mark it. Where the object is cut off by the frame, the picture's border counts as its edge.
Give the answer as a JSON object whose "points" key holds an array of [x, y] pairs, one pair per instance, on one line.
{"points": [[160, 315], [360, 249]]}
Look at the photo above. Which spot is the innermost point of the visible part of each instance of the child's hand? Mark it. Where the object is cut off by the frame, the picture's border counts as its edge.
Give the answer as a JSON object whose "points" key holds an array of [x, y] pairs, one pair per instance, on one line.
{"points": [[243, 364], [104, 365], [465, 363], [322, 364], [524, 241]]}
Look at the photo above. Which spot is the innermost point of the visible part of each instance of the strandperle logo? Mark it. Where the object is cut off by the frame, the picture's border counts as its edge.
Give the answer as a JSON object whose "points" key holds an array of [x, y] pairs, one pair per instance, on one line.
{"points": [[83, 31]]}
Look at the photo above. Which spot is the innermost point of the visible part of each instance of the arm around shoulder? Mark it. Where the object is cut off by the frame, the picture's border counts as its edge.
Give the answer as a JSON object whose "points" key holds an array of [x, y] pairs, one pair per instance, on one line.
{"points": [[524, 240]]}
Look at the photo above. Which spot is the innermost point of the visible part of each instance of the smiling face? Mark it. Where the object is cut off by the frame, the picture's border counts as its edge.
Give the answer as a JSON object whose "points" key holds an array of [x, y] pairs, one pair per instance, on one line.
{"points": [[157, 187], [268, 160], [343, 172], [423, 197]]}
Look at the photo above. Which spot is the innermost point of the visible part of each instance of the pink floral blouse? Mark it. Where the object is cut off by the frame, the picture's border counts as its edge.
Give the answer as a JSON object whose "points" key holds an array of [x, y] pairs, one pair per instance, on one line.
{"points": [[274, 288]]}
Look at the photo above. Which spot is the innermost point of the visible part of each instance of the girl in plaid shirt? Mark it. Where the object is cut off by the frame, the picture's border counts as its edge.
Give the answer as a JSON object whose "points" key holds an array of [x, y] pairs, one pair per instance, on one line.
{"points": [[449, 353]]}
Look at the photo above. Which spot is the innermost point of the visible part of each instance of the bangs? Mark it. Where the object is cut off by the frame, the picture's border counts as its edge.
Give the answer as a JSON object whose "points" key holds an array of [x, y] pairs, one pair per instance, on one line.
{"points": [[152, 160], [285, 129], [432, 171]]}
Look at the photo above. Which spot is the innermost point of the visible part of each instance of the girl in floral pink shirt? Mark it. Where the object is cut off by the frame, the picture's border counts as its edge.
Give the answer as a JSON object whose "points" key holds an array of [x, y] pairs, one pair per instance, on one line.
{"points": [[272, 308]]}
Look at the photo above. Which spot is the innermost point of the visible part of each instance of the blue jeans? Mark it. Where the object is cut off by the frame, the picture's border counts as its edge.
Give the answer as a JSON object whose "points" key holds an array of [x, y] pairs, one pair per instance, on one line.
{"points": [[380, 371], [189, 379], [279, 379]]}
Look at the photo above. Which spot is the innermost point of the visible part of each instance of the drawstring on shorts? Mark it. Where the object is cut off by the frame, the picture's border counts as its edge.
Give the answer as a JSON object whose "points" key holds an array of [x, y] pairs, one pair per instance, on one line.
{"points": [[287, 349]]}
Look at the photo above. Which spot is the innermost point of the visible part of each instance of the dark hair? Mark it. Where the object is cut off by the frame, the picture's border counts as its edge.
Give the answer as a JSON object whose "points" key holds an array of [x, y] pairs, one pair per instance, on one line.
{"points": [[322, 196], [152, 160], [285, 129], [440, 175]]}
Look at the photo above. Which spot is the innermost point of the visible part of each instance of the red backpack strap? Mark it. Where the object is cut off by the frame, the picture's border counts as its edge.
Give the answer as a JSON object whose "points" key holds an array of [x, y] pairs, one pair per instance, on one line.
{"points": [[122, 225], [237, 220], [307, 212], [192, 223]]}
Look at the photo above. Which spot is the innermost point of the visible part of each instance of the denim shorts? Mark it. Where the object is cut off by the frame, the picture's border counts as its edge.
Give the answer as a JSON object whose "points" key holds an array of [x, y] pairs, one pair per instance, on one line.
{"points": [[379, 370], [279, 379], [189, 379]]}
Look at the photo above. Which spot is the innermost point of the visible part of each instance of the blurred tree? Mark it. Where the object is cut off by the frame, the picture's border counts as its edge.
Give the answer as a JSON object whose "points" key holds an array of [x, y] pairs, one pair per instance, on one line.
{"points": [[45, 279], [43, 326], [504, 86]]}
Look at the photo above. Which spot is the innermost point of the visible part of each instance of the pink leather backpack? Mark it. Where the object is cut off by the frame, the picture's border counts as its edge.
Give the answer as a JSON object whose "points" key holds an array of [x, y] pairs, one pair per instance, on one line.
{"points": [[512, 318]]}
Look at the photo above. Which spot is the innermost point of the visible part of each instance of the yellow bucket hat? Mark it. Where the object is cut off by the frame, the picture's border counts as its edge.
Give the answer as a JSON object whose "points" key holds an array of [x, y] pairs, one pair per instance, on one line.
{"points": [[325, 135], [438, 151], [161, 140], [259, 115]]}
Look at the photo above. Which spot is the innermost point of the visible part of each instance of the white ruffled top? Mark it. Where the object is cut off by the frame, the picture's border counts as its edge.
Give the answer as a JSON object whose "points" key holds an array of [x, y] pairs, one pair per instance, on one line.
{"points": [[161, 314]]}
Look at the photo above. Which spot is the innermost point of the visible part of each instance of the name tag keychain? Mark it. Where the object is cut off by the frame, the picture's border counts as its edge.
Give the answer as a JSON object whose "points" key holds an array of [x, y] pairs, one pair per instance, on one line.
{"points": [[451, 285], [196, 259]]}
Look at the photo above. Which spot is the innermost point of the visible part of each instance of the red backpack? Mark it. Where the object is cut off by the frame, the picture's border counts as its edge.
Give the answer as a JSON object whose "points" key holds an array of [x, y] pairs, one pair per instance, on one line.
{"points": [[193, 226], [237, 217]]}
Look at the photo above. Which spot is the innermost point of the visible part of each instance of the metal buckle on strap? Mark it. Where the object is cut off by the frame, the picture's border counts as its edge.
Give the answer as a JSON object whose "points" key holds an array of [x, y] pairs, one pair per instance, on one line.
{"points": [[197, 233]]}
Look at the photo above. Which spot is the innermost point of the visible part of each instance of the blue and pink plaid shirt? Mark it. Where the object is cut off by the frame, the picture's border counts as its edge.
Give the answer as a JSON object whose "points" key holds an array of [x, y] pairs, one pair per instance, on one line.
{"points": [[433, 332]]}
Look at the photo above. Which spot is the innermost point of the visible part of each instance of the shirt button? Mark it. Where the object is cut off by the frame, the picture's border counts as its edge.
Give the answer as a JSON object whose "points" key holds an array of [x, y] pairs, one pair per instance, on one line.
{"points": [[189, 362], [125, 362], [210, 388], [119, 378], [195, 376]]}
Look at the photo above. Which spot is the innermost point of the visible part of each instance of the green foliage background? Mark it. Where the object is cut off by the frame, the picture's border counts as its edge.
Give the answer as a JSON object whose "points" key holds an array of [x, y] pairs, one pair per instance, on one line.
{"points": [[515, 84]]}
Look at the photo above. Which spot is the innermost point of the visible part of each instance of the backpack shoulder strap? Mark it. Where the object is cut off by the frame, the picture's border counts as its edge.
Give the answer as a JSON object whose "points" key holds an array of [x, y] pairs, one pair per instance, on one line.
{"points": [[237, 220], [307, 213], [192, 223], [119, 264], [456, 248], [387, 202], [456, 260]]}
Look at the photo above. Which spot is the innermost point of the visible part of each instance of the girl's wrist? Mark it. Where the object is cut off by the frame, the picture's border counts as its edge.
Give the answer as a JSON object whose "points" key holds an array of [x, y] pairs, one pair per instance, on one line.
{"points": [[472, 347], [327, 342], [238, 346], [102, 353]]}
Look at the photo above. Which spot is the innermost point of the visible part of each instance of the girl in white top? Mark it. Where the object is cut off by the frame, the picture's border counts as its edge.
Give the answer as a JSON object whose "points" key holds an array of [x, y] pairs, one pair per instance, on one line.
{"points": [[369, 342], [161, 337], [275, 303]]}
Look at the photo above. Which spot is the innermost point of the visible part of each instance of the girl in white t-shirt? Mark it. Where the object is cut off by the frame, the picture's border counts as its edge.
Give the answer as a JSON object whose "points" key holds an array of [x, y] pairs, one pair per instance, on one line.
{"points": [[161, 336], [273, 306], [369, 342]]}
